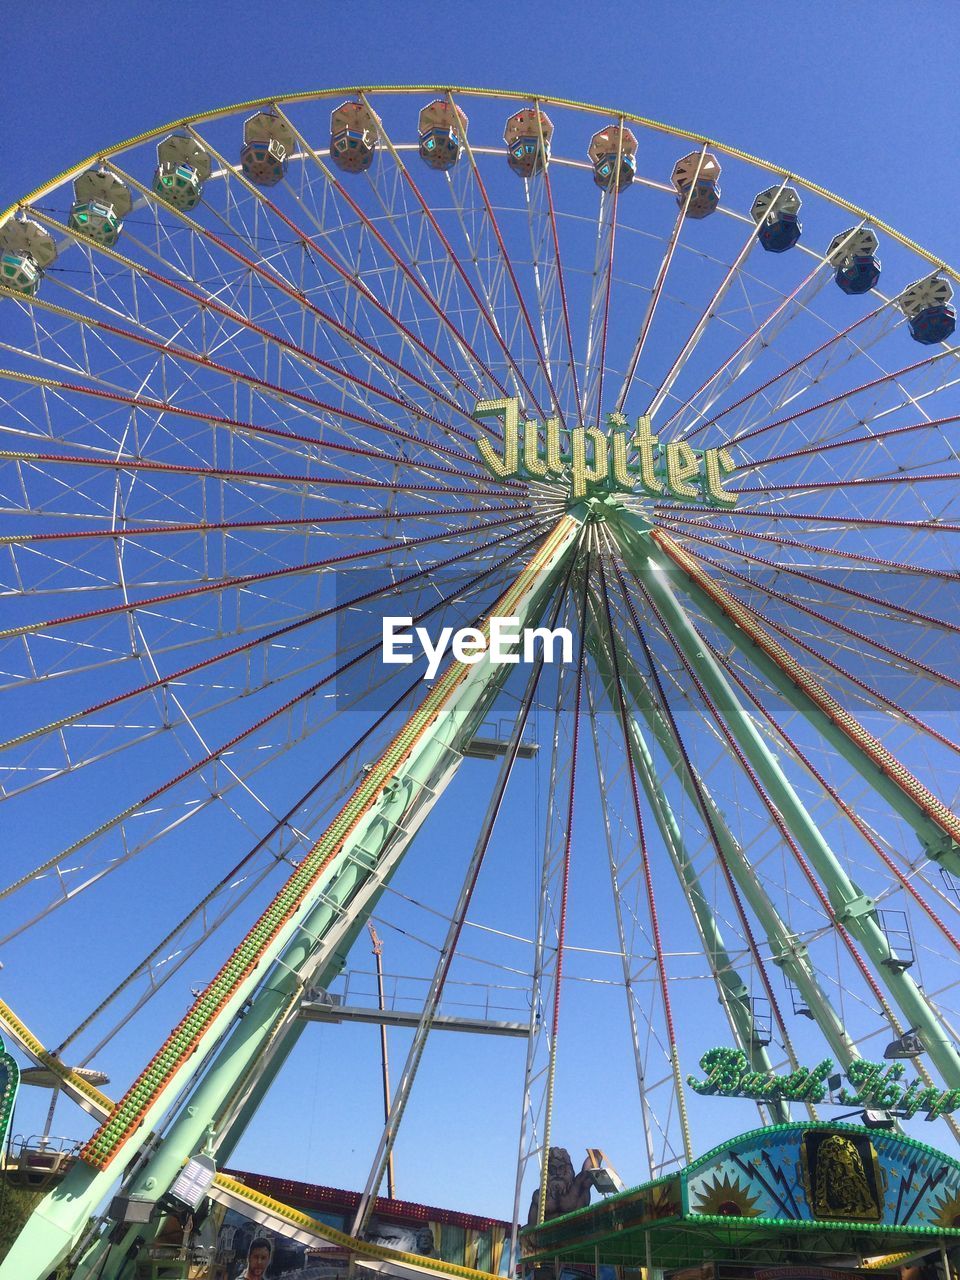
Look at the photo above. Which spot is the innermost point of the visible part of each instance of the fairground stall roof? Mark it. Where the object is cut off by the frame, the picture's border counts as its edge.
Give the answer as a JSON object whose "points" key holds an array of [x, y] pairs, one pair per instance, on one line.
{"points": [[779, 1195]]}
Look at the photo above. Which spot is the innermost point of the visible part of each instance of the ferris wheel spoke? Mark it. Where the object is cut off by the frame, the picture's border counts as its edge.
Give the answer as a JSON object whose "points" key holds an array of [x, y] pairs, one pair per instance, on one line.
{"points": [[825, 446], [552, 312], [683, 527], [227, 583], [603, 321], [926, 363], [171, 716], [658, 286], [801, 838], [265, 479], [376, 360], [511, 271], [873, 695], [414, 271], [846, 809], [268, 273], [490, 272], [929, 815], [258, 642], [840, 518], [628, 947], [459, 340], [483, 305], [829, 345], [327, 416], [212, 756], [830, 625], [246, 428], [816, 486], [739, 872], [172, 821], [262, 645], [599, 297], [132, 841], [532, 1146], [204, 528], [781, 566], [834, 421], [895, 1023], [451, 942], [565, 308], [286, 827], [621, 707], [288, 395], [700, 329], [564, 877], [744, 355]]}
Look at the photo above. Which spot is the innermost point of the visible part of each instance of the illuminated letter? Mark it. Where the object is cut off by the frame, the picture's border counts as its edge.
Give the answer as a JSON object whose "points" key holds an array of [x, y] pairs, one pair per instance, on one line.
{"points": [[864, 1076], [645, 443], [946, 1102], [682, 463], [888, 1092], [715, 462], [582, 474], [618, 468], [723, 1069], [532, 462], [806, 1086], [908, 1103], [927, 1100], [509, 410], [758, 1084]]}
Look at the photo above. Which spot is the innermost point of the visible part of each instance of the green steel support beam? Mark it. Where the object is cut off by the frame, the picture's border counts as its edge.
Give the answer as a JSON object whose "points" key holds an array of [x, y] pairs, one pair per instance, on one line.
{"points": [[732, 990], [240, 1108], [786, 950], [938, 830], [298, 934], [853, 909]]}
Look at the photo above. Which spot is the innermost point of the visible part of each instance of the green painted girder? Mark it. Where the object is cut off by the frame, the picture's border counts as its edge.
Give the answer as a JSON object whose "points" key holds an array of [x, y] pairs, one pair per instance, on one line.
{"points": [[732, 990], [331, 890], [937, 828], [852, 908], [786, 950]]}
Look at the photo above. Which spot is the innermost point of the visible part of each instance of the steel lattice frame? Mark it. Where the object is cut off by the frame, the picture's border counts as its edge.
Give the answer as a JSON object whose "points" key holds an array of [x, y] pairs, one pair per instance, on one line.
{"points": [[248, 424]]}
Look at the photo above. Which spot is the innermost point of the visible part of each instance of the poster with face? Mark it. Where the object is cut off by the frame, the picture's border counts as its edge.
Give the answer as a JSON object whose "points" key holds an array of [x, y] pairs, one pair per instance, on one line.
{"points": [[247, 1251]]}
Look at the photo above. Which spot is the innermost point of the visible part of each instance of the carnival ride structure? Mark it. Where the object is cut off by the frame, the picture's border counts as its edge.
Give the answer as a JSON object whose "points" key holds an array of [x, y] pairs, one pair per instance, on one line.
{"points": [[250, 363]]}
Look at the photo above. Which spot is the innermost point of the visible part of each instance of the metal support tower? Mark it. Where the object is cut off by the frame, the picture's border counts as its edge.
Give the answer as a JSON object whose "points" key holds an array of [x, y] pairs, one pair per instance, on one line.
{"points": [[657, 571], [257, 994]]}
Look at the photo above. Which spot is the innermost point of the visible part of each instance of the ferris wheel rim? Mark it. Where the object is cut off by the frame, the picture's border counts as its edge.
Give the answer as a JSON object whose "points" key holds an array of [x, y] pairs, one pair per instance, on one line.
{"points": [[573, 104], [753, 962]]}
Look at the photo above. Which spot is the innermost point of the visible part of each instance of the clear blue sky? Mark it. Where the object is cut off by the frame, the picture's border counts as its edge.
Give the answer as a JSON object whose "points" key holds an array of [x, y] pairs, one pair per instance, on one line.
{"points": [[859, 96]]}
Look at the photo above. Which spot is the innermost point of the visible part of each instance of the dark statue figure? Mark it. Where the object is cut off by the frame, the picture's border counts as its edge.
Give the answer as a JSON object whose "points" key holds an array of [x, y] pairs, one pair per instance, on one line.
{"points": [[566, 1190]]}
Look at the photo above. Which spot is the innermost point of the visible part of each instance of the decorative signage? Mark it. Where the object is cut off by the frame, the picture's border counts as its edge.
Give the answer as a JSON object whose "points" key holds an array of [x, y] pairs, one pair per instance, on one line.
{"points": [[877, 1085], [842, 1177], [618, 461]]}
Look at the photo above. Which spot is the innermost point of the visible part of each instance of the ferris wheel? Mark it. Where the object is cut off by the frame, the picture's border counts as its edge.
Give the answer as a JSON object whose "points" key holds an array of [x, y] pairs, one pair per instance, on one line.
{"points": [[278, 372]]}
